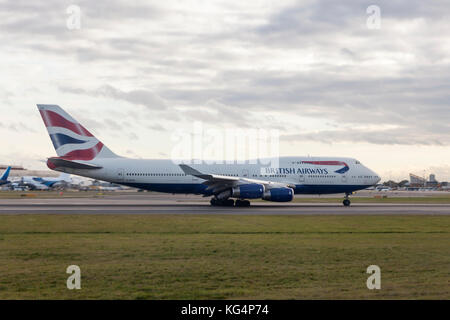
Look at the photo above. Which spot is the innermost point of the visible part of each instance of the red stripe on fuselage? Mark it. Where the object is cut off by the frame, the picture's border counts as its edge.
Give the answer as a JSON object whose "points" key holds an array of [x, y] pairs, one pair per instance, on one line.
{"points": [[53, 119]]}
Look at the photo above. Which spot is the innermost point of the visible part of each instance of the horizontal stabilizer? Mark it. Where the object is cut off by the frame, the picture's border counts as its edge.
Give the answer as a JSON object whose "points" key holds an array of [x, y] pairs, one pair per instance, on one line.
{"points": [[58, 162]]}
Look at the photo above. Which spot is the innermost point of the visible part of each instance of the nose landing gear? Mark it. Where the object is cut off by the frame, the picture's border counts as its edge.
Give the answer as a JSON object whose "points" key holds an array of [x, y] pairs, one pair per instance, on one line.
{"points": [[346, 201]]}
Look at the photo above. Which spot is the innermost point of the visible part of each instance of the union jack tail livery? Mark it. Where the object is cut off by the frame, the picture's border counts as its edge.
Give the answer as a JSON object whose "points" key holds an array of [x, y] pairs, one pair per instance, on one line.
{"points": [[71, 140]]}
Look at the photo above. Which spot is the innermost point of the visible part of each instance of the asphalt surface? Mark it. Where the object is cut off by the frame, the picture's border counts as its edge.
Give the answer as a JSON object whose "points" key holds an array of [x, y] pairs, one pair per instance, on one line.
{"points": [[172, 204]]}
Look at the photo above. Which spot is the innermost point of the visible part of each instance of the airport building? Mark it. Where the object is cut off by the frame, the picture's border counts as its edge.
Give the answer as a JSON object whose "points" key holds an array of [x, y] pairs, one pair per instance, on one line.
{"points": [[416, 181], [432, 182]]}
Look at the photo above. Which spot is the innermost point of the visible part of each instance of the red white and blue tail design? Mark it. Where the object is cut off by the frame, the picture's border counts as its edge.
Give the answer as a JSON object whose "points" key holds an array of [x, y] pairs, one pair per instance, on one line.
{"points": [[71, 140]]}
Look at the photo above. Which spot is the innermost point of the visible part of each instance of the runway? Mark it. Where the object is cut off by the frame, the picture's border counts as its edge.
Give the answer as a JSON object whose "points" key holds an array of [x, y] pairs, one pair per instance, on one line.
{"points": [[168, 204]]}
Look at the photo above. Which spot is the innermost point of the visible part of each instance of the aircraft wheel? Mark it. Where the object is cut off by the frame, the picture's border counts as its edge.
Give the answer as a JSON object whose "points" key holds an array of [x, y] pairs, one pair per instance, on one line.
{"points": [[229, 202], [225, 203], [242, 203], [346, 202]]}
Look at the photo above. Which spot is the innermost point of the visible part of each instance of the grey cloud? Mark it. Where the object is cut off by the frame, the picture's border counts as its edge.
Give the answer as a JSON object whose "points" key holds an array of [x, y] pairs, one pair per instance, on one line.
{"points": [[113, 124], [139, 97], [206, 73], [325, 16], [157, 127], [403, 136], [17, 127]]}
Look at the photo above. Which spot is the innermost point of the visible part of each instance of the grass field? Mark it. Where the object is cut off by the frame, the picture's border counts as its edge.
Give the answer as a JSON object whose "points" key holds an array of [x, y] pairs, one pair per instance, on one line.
{"points": [[224, 257]]}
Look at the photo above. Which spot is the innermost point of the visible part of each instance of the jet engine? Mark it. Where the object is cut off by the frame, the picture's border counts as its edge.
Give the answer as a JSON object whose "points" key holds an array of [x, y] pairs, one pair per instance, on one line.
{"points": [[248, 191], [279, 194]]}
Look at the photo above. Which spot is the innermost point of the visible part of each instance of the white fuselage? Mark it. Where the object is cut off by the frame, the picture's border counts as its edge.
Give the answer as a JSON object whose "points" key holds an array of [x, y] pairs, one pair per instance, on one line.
{"points": [[313, 175]]}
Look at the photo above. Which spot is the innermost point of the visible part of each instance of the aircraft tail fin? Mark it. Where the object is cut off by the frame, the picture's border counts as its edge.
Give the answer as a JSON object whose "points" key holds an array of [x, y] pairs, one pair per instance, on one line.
{"points": [[70, 139], [6, 174]]}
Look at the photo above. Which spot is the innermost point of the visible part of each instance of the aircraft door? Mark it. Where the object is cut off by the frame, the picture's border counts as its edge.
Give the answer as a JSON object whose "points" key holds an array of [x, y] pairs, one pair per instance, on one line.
{"points": [[120, 174], [301, 178], [245, 173], [344, 178]]}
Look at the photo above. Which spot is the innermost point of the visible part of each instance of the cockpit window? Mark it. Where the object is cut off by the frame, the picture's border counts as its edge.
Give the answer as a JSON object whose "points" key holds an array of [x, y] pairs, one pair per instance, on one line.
{"points": [[357, 162]]}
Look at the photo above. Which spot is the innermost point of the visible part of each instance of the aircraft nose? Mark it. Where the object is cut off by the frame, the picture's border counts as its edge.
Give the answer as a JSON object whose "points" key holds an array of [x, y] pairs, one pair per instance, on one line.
{"points": [[376, 178]]}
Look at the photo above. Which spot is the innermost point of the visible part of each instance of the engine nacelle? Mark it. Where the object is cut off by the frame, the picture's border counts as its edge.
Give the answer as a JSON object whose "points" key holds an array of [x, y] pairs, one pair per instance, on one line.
{"points": [[279, 195], [248, 191]]}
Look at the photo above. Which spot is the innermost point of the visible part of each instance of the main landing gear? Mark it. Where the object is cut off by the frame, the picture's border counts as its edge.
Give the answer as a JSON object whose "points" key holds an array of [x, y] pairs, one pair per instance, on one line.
{"points": [[242, 203], [346, 201], [229, 202], [222, 202]]}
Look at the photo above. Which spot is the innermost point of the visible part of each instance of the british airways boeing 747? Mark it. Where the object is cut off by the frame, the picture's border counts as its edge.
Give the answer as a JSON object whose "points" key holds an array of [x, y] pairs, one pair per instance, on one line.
{"points": [[81, 153]]}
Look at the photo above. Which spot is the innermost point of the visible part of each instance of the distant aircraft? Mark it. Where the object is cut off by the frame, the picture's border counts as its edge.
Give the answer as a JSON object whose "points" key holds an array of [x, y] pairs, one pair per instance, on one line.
{"points": [[4, 177], [44, 183], [80, 153]]}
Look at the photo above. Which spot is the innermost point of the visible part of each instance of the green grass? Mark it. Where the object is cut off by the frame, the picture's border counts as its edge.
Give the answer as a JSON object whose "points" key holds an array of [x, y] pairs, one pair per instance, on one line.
{"points": [[224, 257]]}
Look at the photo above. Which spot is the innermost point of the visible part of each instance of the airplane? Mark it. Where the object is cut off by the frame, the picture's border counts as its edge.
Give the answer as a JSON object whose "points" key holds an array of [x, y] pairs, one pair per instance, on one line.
{"points": [[79, 152], [44, 183], [4, 177]]}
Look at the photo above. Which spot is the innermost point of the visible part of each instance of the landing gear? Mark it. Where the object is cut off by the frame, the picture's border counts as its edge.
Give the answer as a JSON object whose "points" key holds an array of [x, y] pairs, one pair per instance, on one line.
{"points": [[346, 201], [222, 202], [229, 202], [242, 203]]}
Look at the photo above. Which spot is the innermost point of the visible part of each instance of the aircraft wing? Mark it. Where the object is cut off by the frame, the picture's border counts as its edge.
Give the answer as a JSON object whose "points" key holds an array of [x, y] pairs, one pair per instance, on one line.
{"points": [[209, 177], [219, 183]]}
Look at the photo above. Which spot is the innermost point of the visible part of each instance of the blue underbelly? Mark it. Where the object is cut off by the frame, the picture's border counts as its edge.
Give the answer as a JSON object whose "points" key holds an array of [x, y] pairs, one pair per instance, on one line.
{"points": [[201, 188], [327, 189]]}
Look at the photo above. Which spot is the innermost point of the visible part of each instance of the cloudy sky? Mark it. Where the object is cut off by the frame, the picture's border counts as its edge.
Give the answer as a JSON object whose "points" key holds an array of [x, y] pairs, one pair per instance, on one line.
{"points": [[317, 71]]}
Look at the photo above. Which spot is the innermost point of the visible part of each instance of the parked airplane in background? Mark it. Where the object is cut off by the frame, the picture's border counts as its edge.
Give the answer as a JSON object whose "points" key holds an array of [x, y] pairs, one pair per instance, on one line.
{"points": [[4, 177], [44, 183], [80, 153]]}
